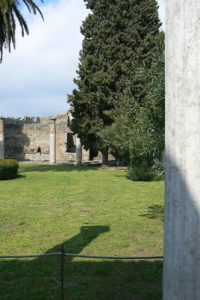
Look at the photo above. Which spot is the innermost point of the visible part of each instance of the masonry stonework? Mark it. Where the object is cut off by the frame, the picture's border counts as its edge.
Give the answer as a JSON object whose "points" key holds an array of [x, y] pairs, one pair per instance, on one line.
{"points": [[52, 141], [23, 136]]}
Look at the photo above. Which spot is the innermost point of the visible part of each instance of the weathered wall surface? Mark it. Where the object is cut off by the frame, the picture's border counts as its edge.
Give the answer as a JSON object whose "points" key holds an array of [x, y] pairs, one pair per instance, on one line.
{"points": [[182, 207], [22, 136]]}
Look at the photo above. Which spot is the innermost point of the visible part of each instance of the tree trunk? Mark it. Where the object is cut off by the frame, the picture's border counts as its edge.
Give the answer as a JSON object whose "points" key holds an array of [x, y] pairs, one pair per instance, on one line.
{"points": [[105, 158]]}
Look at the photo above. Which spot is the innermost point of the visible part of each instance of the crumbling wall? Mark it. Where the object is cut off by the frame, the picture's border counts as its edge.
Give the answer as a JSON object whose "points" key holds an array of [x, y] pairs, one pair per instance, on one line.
{"points": [[23, 135], [62, 130]]}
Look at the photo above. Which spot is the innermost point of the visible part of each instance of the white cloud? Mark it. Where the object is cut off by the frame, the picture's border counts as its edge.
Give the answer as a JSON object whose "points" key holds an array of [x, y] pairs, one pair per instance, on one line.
{"points": [[36, 77]]}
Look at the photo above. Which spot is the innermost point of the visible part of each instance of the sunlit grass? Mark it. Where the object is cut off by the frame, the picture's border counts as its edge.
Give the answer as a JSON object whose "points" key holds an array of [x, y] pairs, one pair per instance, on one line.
{"points": [[90, 210]]}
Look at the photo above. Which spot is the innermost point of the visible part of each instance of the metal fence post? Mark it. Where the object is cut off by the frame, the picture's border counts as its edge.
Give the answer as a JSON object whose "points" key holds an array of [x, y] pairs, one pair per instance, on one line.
{"points": [[61, 254]]}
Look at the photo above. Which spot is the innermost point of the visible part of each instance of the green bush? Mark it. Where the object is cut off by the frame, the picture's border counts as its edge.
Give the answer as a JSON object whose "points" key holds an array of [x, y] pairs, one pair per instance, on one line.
{"points": [[140, 172], [158, 168], [8, 169]]}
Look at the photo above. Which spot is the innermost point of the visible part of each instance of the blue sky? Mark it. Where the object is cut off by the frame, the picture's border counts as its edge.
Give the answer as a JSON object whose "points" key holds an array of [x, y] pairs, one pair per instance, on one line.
{"points": [[36, 77]]}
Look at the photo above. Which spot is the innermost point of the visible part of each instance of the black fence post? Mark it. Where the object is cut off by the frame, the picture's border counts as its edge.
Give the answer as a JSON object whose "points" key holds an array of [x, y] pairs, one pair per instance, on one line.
{"points": [[62, 271]]}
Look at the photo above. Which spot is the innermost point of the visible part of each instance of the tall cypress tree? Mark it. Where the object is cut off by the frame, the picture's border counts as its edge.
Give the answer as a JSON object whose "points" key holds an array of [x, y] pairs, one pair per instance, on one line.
{"points": [[137, 134], [119, 36]]}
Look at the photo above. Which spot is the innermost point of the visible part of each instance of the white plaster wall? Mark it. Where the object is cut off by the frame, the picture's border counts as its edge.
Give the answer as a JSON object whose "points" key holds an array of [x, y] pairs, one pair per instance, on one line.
{"points": [[182, 207]]}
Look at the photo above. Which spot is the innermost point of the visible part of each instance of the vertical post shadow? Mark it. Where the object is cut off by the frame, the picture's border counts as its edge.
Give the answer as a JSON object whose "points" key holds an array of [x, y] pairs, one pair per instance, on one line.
{"points": [[40, 279], [86, 235]]}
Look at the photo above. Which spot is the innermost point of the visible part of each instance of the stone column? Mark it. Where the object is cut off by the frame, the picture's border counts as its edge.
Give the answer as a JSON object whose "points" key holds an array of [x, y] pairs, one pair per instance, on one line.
{"points": [[53, 141], [1, 139], [104, 158], [78, 151], [182, 195]]}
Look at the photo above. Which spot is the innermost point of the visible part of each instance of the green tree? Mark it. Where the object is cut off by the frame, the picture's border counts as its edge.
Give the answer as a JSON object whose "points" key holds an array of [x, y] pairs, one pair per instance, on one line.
{"points": [[119, 36], [137, 134], [9, 14]]}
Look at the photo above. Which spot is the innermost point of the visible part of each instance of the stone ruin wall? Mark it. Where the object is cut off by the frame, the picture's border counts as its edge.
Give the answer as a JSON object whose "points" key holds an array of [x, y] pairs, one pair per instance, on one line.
{"points": [[22, 136]]}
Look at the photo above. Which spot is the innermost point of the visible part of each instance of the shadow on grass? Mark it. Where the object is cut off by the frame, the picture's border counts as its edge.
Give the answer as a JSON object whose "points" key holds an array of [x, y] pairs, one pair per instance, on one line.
{"points": [[154, 212], [39, 279], [20, 176], [126, 175], [56, 168], [154, 179]]}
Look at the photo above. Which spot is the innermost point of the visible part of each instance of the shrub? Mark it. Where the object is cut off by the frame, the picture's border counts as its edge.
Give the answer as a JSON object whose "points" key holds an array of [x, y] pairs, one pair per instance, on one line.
{"points": [[158, 168], [140, 172], [8, 169]]}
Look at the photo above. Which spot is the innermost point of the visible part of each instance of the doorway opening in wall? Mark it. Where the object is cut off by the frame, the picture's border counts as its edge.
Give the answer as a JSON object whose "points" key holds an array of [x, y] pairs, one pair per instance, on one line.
{"points": [[70, 145]]}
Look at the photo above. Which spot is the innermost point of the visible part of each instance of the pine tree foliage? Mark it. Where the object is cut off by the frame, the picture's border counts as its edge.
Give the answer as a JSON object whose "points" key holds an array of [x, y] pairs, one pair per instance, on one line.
{"points": [[137, 134], [119, 36], [9, 14]]}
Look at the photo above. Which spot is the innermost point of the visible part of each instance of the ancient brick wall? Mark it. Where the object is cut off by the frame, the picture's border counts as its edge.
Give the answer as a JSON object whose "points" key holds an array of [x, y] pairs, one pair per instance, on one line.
{"points": [[22, 136]]}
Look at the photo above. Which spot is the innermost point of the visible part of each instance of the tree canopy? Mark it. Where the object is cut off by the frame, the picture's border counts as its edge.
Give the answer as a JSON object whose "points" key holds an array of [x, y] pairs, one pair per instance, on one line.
{"points": [[119, 37], [10, 12], [137, 133]]}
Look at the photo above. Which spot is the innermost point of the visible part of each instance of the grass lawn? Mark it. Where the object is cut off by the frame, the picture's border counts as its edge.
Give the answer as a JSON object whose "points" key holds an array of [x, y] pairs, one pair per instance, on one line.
{"points": [[91, 211]]}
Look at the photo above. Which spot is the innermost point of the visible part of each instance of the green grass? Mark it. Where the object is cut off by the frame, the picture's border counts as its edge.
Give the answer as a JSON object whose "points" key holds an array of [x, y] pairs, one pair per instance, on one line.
{"points": [[91, 211]]}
